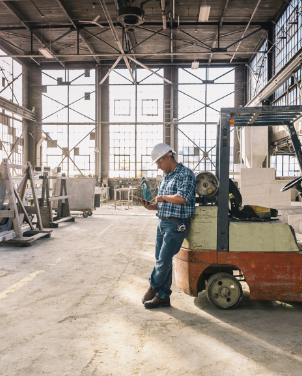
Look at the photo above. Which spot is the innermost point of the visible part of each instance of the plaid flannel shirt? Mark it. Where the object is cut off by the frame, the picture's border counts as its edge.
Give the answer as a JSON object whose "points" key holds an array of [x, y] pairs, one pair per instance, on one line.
{"points": [[180, 181]]}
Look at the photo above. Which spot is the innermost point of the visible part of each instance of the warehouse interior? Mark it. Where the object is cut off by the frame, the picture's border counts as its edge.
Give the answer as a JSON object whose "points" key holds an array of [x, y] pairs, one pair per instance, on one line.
{"points": [[87, 89]]}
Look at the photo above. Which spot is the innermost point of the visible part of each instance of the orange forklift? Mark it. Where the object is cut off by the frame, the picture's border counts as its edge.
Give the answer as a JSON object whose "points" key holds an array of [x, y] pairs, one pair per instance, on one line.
{"points": [[229, 243]]}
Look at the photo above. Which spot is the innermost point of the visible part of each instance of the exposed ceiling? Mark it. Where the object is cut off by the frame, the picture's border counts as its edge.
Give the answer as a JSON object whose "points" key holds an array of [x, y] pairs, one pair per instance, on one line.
{"points": [[29, 25]]}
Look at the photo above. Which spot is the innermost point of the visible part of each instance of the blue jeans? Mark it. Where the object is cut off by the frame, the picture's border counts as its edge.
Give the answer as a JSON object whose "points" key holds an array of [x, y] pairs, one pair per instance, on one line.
{"points": [[168, 244]]}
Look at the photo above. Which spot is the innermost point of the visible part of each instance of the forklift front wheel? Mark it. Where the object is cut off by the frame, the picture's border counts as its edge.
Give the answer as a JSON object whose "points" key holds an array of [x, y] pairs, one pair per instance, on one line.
{"points": [[224, 291]]}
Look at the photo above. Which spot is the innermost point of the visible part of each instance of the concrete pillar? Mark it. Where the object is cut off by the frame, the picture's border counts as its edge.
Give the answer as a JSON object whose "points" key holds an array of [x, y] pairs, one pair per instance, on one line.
{"points": [[240, 101], [34, 130], [26, 103], [98, 127], [170, 136], [103, 116]]}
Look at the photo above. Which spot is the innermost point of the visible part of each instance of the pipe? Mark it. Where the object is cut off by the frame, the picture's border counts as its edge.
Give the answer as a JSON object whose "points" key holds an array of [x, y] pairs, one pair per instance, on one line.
{"points": [[164, 18], [173, 10]]}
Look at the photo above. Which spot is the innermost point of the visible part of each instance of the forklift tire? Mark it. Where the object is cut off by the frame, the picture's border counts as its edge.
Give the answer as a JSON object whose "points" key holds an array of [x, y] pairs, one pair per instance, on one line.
{"points": [[224, 291], [85, 215]]}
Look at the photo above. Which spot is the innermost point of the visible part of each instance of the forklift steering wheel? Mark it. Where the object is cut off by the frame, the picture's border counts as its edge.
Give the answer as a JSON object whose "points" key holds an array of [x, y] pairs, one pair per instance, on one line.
{"points": [[293, 184]]}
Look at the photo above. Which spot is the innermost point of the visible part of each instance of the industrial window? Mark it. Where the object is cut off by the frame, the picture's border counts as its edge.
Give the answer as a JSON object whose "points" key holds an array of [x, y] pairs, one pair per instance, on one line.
{"points": [[258, 71], [288, 34], [289, 92], [202, 92], [11, 127], [150, 107], [122, 107], [285, 165], [132, 135], [288, 40], [11, 70], [122, 162], [68, 117]]}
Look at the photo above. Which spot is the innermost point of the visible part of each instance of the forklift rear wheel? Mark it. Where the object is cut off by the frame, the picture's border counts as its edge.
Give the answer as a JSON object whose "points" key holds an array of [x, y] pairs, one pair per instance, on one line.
{"points": [[85, 215], [224, 291]]}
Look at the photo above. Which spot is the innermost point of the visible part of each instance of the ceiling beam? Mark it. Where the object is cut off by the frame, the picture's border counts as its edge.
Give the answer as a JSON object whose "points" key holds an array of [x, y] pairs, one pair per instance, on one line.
{"points": [[219, 26], [264, 25], [13, 44], [26, 24], [159, 54], [90, 48], [247, 26]]}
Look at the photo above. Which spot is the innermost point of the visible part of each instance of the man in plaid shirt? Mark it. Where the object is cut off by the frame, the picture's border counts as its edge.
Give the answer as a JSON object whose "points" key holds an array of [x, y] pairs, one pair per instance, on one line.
{"points": [[175, 205]]}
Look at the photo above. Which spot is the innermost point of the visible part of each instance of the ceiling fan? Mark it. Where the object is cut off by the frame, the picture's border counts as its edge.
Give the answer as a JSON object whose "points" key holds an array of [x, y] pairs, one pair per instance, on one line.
{"points": [[94, 22]]}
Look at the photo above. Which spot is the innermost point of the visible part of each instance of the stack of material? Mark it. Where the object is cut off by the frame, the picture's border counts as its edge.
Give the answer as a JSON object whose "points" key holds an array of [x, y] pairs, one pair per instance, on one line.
{"points": [[13, 213]]}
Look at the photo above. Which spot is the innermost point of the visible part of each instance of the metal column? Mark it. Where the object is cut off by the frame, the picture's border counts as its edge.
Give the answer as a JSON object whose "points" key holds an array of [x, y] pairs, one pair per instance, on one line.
{"points": [[98, 131], [223, 177], [296, 143]]}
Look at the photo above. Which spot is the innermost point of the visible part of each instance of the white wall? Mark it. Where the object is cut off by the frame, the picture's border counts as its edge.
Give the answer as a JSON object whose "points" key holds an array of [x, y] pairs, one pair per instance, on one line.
{"points": [[260, 187], [254, 146]]}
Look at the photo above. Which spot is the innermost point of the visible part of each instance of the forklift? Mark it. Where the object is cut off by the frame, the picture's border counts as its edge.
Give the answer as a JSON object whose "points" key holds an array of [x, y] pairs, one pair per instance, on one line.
{"points": [[228, 243]]}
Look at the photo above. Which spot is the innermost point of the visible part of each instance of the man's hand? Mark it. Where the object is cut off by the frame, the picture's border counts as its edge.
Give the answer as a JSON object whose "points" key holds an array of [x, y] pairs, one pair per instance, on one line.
{"points": [[173, 199], [147, 205], [158, 199]]}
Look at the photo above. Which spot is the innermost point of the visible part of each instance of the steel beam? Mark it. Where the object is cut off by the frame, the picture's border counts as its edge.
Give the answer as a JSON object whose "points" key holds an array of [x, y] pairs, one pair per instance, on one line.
{"points": [[110, 70], [197, 40], [247, 26], [26, 24], [150, 70], [197, 100], [64, 8], [16, 109], [15, 46], [95, 36], [143, 41], [66, 106], [156, 54], [219, 27], [264, 25], [12, 81]]}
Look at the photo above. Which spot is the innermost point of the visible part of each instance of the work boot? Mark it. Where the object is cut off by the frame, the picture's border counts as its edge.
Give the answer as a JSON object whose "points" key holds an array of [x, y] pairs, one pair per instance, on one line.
{"points": [[157, 302], [149, 295]]}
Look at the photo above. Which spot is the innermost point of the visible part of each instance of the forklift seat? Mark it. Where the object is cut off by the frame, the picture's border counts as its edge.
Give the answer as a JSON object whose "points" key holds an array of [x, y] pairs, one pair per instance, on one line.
{"points": [[247, 212]]}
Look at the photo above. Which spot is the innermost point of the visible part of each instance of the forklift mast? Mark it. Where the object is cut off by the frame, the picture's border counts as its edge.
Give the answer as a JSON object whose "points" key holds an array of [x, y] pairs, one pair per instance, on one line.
{"points": [[246, 117]]}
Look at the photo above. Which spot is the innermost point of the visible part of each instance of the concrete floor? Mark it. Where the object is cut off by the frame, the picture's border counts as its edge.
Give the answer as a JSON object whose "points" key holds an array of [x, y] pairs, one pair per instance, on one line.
{"points": [[71, 305]]}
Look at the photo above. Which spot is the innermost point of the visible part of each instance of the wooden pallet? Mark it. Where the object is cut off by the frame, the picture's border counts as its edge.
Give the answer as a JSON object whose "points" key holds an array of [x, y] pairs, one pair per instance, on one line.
{"points": [[57, 220], [28, 238], [17, 211], [63, 211]]}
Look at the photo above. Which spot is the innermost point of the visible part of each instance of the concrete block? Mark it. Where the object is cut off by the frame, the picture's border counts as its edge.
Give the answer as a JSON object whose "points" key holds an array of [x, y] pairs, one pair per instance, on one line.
{"points": [[81, 192], [294, 220], [255, 146]]}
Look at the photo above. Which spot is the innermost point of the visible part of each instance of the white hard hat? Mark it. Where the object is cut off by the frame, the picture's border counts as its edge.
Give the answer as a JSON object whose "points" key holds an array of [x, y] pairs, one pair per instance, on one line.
{"points": [[159, 151]]}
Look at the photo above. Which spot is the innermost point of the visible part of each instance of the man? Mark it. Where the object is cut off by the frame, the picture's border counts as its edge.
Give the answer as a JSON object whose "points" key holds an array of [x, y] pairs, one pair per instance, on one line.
{"points": [[175, 204]]}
